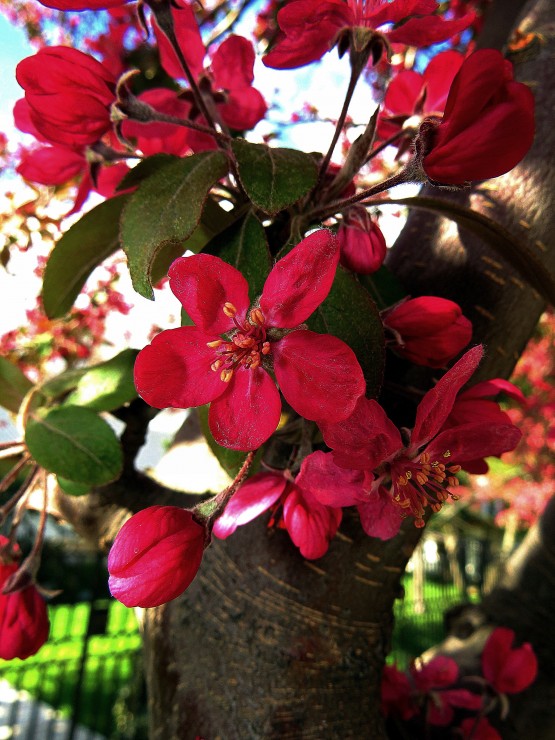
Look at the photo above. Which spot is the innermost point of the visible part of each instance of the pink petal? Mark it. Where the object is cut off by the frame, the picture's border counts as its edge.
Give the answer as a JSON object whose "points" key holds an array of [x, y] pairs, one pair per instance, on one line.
{"points": [[248, 413], [438, 76], [300, 281], [318, 374], [379, 515], [398, 10], [203, 284], [329, 484], [155, 556], [363, 440], [245, 107], [310, 525], [436, 405], [174, 370], [51, 165], [254, 497], [509, 670], [189, 41]]}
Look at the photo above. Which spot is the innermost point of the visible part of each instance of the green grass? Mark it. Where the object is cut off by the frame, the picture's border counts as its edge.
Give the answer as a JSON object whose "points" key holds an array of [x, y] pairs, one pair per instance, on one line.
{"points": [[415, 632], [52, 674]]}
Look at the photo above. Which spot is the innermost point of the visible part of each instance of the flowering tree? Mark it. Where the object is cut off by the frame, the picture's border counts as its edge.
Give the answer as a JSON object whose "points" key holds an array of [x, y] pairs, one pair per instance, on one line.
{"points": [[331, 385]]}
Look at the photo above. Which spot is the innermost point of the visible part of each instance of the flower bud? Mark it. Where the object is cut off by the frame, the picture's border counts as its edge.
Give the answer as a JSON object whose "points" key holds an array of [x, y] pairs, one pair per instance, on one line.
{"points": [[155, 556], [429, 330], [68, 94], [488, 125], [24, 624], [362, 243]]}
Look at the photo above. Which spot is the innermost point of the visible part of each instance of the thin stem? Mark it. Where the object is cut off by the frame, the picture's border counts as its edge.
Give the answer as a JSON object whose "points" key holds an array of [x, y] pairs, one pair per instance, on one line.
{"points": [[406, 175], [209, 511], [355, 74], [11, 450], [164, 19], [9, 478], [9, 505]]}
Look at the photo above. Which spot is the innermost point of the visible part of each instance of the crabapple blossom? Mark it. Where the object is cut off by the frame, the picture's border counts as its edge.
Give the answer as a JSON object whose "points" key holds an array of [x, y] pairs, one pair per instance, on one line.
{"points": [[421, 472], [225, 358], [311, 523], [509, 670], [488, 124], [155, 556], [312, 27], [69, 95], [428, 330]]}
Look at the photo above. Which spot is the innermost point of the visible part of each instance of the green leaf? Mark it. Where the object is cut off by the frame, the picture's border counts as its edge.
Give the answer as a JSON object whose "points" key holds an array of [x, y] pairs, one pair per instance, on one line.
{"points": [[230, 460], [14, 386], [74, 443], [62, 383], [350, 314], [82, 248], [106, 386], [511, 249], [144, 169], [73, 488], [274, 178], [166, 209], [244, 246]]}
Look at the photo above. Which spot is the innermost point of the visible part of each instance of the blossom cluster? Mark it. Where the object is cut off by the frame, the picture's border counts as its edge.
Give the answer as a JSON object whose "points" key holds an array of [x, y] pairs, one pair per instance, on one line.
{"points": [[433, 693]]}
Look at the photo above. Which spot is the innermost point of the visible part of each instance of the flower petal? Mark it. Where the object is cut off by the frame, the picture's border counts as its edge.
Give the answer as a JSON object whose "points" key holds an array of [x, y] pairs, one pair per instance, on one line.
{"points": [[379, 515], [300, 281], [363, 440], [329, 484], [174, 370], [254, 497], [474, 441], [248, 413], [318, 374], [436, 405], [203, 284], [311, 526]]}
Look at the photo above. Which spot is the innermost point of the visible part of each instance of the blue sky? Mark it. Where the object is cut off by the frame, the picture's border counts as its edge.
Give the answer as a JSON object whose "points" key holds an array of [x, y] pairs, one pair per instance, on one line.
{"points": [[13, 47]]}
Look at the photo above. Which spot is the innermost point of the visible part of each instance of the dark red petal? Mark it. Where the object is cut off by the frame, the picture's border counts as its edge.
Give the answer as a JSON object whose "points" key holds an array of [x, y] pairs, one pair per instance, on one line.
{"points": [[429, 30], [473, 441], [363, 440], [247, 413], [436, 405], [254, 497], [300, 281], [203, 284], [174, 370], [51, 165], [438, 77], [398, 10], [318, 374], [232, 64], [189, 41], [329, 484]]}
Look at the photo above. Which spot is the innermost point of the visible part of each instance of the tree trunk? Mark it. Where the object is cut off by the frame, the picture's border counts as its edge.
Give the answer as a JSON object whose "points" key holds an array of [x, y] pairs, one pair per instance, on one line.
{"points": [[267, 645]]}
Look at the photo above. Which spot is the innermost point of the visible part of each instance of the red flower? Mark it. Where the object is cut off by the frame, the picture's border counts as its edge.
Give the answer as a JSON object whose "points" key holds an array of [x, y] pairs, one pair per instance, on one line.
{"points": [[397, 694], [411, 96], [318, 374], [478, 728], [155, 556], [310, 522], [229, 77], [152, 138], [478, 403], [69, 95], [488, 125], [428, 330], [420, 473], [24, 624], [312, 27], [436, 680], [362, 244], [509, 670], [82, 4]]}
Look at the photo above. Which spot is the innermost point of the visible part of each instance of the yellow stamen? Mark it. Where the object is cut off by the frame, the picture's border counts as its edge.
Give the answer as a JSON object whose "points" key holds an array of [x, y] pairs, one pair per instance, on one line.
{"points": [[229, 309], [216, 365], [215, 343], [256, 317], [226, 374]]}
